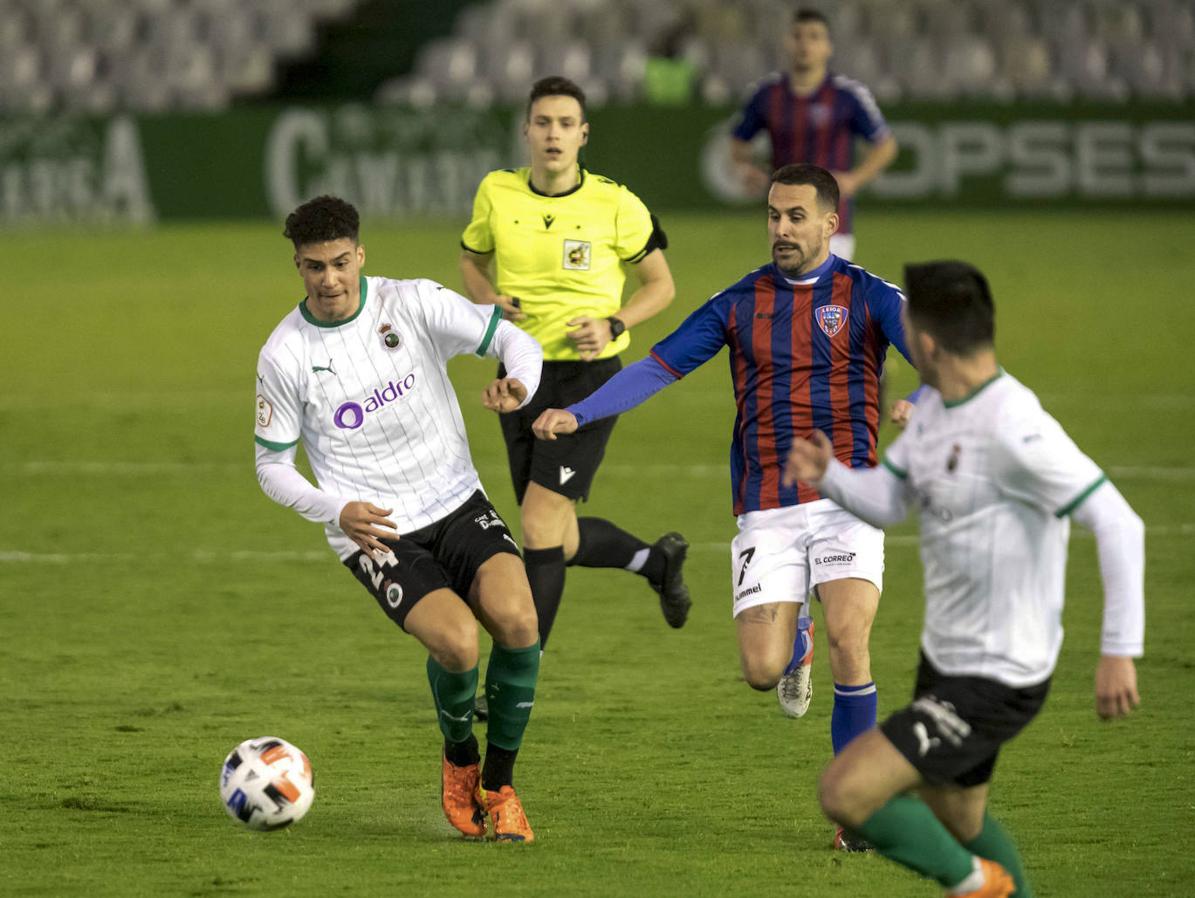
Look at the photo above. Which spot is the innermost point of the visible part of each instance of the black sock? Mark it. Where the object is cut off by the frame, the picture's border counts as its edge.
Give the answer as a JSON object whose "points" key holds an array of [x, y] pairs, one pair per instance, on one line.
{"points": [[462, 754], [603, 544], [499, 767], [545, 573]]}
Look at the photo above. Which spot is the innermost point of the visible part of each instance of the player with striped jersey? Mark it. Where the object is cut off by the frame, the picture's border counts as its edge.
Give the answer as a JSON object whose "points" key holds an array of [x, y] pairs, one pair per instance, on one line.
{"points": [[807, 336], [356, 372], [996, 480], [814, 115]]}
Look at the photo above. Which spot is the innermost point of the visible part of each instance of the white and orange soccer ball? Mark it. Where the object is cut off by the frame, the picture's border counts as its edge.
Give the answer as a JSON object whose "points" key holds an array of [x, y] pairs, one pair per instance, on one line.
{"points": [[267, 783]]}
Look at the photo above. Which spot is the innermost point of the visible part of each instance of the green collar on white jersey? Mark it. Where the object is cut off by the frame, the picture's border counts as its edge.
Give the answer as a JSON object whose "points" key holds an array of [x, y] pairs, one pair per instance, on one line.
{"points": [[955, 403], [311, 319]]}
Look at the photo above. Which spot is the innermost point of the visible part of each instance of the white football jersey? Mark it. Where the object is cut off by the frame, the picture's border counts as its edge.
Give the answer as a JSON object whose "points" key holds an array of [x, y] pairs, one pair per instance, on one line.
{"points": [[370, 399], [995, 478]]}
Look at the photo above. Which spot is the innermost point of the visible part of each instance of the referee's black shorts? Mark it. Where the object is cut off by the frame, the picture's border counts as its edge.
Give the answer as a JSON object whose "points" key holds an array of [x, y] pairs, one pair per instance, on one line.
{"points": [[568, 464], [954, 729]]}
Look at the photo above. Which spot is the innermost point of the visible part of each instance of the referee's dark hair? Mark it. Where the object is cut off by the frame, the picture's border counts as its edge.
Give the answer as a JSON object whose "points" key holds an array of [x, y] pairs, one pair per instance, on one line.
{"points": [[556, 86], [322, 219], [816, 176], [804, 14], [952, 302]]}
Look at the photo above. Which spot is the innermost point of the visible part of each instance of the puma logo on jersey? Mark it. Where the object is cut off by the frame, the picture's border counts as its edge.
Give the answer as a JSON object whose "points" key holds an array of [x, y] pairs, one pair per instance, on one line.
{"points": [[566, 474], [316, 369]]}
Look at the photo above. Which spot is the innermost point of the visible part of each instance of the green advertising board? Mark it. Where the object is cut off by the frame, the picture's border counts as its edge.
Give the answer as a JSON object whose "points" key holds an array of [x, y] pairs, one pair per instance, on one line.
{"points": [[405, 163]]}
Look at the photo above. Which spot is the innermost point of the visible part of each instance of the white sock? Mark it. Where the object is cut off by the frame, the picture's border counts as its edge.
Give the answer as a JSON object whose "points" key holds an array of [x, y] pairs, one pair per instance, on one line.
{"points": [[638, 560], [972, 883]]}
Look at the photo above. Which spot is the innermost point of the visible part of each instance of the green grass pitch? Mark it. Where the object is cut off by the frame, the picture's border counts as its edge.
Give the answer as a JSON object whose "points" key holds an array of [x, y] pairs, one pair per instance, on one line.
{"points": [[156, 608]]}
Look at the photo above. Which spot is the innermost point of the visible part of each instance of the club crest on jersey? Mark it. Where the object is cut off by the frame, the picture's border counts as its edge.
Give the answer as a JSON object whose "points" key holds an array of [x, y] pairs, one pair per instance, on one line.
{"points": [[831, 319], [390, 337], [576, 255]]}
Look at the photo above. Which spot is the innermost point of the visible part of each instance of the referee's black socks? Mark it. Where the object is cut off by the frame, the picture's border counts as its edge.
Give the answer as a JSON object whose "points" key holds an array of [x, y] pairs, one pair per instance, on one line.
{"points": [[545, 574], [603, 544]]}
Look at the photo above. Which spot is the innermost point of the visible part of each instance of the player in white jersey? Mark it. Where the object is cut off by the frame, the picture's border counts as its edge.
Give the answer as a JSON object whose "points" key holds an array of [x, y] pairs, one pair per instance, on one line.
{"points": [[996, 480], [357, 374]]}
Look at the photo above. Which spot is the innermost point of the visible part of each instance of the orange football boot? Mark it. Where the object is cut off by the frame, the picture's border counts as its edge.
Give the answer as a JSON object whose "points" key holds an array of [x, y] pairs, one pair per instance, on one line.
{"points": [[458, 797], [507, 815], [997, 883]]}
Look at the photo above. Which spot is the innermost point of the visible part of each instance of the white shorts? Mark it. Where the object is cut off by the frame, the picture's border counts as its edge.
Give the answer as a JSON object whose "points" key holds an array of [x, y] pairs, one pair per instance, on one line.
{"points": [[782, 554], [843, 246]]}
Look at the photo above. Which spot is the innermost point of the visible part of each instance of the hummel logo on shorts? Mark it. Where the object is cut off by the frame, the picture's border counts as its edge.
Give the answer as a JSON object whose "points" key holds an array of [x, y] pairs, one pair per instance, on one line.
{"points": [[566, 474]]}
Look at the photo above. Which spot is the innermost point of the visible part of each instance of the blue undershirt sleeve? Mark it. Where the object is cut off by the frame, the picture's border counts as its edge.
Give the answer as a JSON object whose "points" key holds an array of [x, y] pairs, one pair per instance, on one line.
{"points": [[628, 388]]}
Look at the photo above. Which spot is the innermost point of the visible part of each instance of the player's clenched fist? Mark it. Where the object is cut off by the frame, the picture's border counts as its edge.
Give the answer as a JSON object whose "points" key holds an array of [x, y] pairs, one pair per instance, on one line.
{"points": [[808, 460], [367, 525], [503, 395], [552, 422]]}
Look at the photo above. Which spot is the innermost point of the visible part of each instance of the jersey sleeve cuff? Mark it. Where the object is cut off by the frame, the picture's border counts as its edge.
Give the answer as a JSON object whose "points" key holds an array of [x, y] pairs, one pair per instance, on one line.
{"points": [[484, 347], [665, 365], [887, 463], [273, 446], [1070, 506], [477, 252]]}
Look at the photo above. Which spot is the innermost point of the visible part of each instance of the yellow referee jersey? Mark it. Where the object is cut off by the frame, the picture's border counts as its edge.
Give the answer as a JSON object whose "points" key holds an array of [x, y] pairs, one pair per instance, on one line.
{"points": [[560, 255]]}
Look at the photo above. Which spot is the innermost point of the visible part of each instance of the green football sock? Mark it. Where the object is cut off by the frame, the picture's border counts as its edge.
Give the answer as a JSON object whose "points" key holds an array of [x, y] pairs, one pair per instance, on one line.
{"points": [[994, 843], [905, 830], [453, 693], [510, 691]]}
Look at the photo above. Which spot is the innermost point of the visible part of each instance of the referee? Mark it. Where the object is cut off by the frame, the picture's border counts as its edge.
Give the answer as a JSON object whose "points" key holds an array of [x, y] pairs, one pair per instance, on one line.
{"points": [[548, 244]]}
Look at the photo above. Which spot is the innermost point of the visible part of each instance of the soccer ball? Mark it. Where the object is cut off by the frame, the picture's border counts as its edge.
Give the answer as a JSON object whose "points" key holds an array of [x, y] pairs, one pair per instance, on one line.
{"points": [[267, 783]]}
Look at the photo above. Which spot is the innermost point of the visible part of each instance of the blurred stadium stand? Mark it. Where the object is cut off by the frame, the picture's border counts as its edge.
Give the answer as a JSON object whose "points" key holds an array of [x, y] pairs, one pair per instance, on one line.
{"points": [[916, 50], [150, 55]]}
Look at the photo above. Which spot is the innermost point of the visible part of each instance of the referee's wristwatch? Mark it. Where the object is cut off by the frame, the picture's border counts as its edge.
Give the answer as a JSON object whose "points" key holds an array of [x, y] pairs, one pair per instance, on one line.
{"points": [[617, 328]]}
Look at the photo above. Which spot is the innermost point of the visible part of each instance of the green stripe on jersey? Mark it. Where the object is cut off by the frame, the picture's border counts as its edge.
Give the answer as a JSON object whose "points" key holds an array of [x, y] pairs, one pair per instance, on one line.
{"points": [[1081, 498], [489, 331], [903, 475], [270, 444]]}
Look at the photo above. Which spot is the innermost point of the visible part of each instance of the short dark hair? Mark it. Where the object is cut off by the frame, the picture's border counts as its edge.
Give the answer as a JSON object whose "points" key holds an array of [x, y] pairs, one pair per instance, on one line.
{"points": [[953, 303], [556, 86], [321, 219], [816, 176], [804, 14]]}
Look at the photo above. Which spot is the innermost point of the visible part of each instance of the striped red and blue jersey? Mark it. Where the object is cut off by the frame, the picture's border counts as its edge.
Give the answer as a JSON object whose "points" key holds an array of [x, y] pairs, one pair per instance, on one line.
{"points": [[820, 127], [804, 354]]}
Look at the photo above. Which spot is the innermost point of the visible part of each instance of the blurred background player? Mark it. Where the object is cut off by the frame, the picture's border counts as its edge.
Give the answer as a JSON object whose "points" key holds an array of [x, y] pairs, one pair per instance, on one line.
{"points": [[807, 336], [996, 481], [813, 115], [356, 372], [547, 244]]}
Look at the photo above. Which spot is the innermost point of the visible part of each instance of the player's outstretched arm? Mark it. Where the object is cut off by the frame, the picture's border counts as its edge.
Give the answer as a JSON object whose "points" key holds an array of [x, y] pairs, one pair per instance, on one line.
{"points": [[628, 388], [554, 421], [1120, 542], [875, 495]]}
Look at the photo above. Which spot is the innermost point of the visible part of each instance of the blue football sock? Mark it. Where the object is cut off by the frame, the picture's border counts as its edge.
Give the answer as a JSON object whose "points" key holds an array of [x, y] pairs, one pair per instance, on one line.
{"points": [[854, 713], [800, 644]]}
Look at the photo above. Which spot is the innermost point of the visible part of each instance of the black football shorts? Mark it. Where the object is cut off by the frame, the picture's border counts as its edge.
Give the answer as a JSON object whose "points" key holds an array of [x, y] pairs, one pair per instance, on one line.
{"points": [[953, 730], [444, 555], [568, 464]]}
